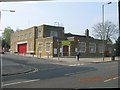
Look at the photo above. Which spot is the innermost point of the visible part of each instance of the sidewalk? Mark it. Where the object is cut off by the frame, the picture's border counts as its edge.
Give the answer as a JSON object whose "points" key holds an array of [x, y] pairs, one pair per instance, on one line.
{"points": [[84, 60], [12, 68]]}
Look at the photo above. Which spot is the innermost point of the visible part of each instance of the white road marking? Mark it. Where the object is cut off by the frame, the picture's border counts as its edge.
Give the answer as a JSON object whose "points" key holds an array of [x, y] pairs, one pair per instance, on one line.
{"points": [[20, 82], [111, 79], [76, 64]]}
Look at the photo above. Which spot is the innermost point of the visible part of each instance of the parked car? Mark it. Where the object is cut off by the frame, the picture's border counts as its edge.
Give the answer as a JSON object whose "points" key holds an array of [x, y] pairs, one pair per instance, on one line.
{"points": [[2, 52]]}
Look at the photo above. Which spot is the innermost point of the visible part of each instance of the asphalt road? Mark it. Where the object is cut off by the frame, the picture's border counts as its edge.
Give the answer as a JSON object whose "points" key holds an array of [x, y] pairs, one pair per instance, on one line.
{"points": [[49, 75]]}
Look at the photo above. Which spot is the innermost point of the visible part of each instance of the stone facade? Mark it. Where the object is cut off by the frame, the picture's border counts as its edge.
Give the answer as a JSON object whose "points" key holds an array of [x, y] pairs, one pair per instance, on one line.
{"points": [[51, 41]]}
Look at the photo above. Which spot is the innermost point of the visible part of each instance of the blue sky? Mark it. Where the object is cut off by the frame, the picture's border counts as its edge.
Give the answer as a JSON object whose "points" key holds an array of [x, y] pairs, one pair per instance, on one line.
{"points": [[74, 16]]}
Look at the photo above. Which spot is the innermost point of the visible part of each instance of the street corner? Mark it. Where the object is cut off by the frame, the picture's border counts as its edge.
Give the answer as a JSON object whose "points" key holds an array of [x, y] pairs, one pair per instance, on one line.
{"points": [[16, 69]]}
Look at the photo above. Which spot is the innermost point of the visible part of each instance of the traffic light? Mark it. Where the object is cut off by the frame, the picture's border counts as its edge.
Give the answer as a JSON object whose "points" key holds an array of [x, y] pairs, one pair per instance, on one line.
{"points": [[78, 41]]}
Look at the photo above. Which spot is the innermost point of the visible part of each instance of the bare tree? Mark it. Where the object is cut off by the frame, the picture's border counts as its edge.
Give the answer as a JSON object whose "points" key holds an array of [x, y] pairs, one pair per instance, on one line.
{"points": [[110, 31]]}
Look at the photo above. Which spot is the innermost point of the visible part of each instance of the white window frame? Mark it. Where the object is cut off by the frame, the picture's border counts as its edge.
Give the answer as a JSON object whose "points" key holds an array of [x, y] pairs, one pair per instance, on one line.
{"points": [[45, 46], [15, 38], [100, 47], [41, 46], [21, 37], [93, 46], [110, 50], [18, 38], [39, 33], [25, 36], [30, 34], [80, 48]]}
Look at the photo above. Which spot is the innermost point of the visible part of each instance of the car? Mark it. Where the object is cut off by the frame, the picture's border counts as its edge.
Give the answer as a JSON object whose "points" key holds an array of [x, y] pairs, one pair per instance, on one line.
{"points": [[2, 52]]}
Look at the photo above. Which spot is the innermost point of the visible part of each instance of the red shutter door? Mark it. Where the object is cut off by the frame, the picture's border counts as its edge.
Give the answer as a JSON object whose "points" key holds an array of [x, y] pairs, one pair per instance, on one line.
{"points": [[23, 48]]}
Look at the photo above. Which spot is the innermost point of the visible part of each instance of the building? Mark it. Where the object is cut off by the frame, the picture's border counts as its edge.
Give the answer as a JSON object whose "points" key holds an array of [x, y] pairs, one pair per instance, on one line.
{"points": [[51, 41]]}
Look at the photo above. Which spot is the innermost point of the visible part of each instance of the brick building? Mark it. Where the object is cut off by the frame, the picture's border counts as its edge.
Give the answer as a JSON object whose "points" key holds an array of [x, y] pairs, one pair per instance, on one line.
{"points": [[51, 41]]}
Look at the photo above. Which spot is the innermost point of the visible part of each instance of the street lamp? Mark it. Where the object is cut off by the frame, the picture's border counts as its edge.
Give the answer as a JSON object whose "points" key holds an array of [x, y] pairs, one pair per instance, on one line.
{"points": [[1, 30], [103, 26]]}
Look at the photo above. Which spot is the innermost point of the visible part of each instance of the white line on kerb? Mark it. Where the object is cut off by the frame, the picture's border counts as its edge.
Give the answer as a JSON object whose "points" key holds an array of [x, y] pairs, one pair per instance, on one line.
{"points": [[110, 79], [21, 82]]}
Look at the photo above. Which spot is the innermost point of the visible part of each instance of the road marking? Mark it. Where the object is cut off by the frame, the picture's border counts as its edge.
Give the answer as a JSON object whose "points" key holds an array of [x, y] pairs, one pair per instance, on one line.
{"points": [[20, 82], [76, 64], [111, 79]]}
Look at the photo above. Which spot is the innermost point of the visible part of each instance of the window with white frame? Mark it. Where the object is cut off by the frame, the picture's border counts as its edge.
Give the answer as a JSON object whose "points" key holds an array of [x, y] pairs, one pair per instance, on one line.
{"points": [[82, 47], [100, 48], [92, 47], [15, 38], [47, 46], [30, 34], [39, 33], [30, 44], [25, 36], [110, 50], [18, 38], [53, 33], [21, 37], [40, 45]]}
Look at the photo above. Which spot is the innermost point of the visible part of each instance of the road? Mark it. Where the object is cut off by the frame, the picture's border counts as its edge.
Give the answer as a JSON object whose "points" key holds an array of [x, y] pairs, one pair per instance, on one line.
{"points": [[51, 75]]}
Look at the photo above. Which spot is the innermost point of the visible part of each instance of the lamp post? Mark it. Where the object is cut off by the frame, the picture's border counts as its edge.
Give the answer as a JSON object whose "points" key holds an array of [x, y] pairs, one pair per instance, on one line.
{"points": [[0, 30], [103, 27]]}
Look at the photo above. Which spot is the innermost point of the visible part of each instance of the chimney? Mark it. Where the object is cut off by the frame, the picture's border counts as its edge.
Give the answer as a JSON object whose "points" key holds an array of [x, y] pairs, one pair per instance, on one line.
{"points": [[87, 33]]}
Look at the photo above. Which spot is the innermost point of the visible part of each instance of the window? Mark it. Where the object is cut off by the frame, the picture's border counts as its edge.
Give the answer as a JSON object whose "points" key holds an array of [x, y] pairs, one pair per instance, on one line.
{"points": [[92, 47], [39, 33], [25, 36], [18, 38], [21, 37], [53, 33], [82, 47], [40, 46], [47, 46], [110, 50], [15, 38], [100, 47], [30, 34], [30, 45]]}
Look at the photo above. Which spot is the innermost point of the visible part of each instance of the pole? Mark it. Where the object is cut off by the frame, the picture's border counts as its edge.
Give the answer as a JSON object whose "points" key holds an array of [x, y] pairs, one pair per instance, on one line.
{"points": [[58, 48], [103, 30], [1, 56]]}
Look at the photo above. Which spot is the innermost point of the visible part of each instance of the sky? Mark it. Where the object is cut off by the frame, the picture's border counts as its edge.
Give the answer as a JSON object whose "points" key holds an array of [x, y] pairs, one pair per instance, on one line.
{"points": [[74, 15]]}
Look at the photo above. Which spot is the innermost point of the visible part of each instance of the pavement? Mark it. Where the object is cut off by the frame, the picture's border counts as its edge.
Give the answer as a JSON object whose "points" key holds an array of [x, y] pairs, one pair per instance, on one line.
{"points": [[12, 68]]}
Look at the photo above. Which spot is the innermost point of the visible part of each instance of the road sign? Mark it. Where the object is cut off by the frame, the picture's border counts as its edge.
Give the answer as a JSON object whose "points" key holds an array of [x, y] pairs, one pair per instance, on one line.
{"points": [[65, 42]]}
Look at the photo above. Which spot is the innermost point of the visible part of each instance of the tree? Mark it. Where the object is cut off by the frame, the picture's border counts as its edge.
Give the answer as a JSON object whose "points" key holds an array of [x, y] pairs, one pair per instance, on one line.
{"points": [[110, 31], [117, 46], [6, 37]]}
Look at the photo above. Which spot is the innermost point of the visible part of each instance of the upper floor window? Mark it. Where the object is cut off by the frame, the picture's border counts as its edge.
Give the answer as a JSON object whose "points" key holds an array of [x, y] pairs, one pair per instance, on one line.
{"points": [[39, 33], [82, 47], [92, 47], [15, 38], [100, 47], [18, 38], [30, 34], [21, 37], [47, 46], [25, 36], [53, 33]]}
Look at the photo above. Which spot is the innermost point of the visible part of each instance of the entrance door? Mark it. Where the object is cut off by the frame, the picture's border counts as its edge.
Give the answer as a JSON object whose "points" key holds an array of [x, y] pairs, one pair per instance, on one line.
{"points": [[65, 50], [22, 48]]}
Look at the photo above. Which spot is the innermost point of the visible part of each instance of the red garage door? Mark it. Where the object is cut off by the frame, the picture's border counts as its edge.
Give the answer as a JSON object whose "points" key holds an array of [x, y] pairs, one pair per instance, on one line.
{"points": [[22, 48]]}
